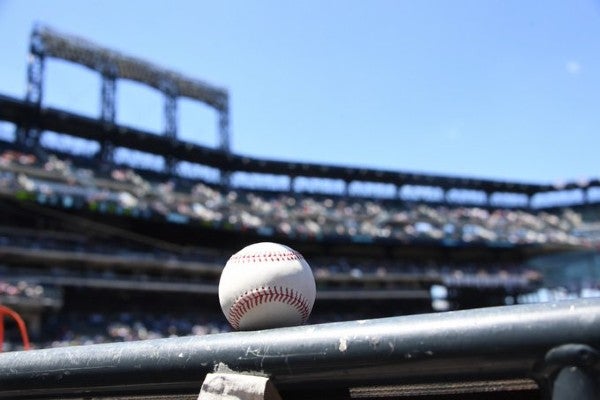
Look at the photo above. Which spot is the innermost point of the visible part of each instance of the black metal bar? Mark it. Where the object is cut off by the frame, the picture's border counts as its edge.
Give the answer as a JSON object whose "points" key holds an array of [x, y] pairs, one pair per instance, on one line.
{"points": [[492, 343]]}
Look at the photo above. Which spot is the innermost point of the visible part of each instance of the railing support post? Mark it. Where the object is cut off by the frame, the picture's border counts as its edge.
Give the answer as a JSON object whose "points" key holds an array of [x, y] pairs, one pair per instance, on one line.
{"points": [[230, 386], [576, 383], [570, 371]]}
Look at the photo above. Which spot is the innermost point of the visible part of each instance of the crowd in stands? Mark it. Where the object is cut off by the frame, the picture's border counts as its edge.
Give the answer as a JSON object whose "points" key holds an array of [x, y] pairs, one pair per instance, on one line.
{"points": [[124, 191], [28, 293], [508, 275], [203, 265], [21, 290], [76, 328], [310, 216], [83, 328]]}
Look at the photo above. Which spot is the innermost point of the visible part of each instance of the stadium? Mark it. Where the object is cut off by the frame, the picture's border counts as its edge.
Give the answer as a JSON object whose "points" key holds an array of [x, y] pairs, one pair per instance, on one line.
{"points": [[101, 257]]}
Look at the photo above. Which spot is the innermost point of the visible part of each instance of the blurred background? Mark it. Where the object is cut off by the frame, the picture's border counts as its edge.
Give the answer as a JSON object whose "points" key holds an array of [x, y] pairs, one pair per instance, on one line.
{"points": [[423, 157]]}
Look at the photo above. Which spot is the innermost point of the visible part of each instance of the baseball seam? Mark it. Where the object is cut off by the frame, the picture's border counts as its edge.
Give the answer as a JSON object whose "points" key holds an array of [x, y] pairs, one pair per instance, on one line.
{"points": [[266, 257], [252, 298]]}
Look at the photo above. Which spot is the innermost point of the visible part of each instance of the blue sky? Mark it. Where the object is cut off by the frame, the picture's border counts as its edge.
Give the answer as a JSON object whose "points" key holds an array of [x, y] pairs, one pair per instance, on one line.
{"points": [[495, 89]]}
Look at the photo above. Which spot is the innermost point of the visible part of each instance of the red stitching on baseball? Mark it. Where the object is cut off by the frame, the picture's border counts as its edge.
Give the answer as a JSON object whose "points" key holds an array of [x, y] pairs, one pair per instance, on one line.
{"points": [[257, 258], [253, 298]]}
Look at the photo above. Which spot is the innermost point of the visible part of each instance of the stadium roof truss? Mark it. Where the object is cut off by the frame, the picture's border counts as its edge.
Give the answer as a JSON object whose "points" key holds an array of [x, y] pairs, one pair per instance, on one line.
{"points": [[112, 65]]}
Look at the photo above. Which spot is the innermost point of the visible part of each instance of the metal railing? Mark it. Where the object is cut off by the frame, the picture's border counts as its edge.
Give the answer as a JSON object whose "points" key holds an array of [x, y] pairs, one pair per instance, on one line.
{"points": [[8, 312], [535, 346]]}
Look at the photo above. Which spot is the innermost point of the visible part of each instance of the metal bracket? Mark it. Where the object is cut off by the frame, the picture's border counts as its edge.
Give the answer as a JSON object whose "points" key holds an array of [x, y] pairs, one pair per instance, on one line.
{"points": [[229, 386], [570, 371]]}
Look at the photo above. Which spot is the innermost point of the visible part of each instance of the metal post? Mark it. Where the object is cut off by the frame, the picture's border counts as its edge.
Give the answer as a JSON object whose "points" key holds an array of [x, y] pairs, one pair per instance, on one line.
{"points": [[569, 371], [28, 135], [20, 324], [224, 141], [108, 111], [224, 386], [576, 383], [108, 100], [346, 190], [170, 110], [35, 68], [171, 115], [224, 133], [530, 201]]}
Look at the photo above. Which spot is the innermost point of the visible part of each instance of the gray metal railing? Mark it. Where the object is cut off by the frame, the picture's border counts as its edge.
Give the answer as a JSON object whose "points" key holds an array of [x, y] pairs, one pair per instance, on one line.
{"points": [[531, 342]]}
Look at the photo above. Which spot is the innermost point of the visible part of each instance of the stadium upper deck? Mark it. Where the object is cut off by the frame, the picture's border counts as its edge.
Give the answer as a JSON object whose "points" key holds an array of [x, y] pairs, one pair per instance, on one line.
{"points": [[32, 119], [30, 116], [285, 215]]}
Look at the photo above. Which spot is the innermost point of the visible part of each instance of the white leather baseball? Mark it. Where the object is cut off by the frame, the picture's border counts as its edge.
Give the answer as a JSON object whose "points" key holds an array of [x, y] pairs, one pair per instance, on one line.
{"points": [[266, 285]]}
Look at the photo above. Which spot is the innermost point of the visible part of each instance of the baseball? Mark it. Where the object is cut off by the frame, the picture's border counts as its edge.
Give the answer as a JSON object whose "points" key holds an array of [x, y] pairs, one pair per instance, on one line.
{"points": [[266, 285]]}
